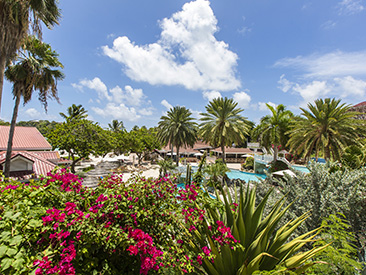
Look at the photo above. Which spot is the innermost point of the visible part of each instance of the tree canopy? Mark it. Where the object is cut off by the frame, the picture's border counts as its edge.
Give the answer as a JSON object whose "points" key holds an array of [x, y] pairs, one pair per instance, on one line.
{"points": [[222, 124]]}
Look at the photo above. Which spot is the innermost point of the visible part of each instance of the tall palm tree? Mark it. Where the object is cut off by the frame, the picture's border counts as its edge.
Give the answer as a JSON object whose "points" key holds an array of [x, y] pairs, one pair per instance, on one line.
{"points": [[37, 68], [15, 18], [116, 126], [328, 127], [222, 124], [177, 128], [75, 112], [272, 128]]}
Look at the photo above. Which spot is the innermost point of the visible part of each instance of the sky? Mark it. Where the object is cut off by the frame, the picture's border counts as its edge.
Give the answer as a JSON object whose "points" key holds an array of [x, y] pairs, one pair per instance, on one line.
{"points": [[133, 60]]}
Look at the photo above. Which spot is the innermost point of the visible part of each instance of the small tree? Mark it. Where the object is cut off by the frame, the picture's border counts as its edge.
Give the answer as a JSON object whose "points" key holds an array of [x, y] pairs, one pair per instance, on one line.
{"points": [[142, 141], [80, 138]]}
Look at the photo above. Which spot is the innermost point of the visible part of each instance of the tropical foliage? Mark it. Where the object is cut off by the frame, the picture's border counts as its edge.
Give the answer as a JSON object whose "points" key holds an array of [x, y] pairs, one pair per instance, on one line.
{"points": [[258, 243], [272, 129], [36, 68], [222, 124], [327, 127], [15, 18], [177, 128], [75, 112]]}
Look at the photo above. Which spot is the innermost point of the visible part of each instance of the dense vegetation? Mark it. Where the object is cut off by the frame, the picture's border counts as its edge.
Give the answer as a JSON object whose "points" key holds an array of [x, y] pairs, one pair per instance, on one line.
{"points": [[57, 226]]}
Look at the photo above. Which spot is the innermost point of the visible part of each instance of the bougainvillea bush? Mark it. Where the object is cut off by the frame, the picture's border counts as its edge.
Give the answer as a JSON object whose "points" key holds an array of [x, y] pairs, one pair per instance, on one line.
{"points": [[56, 226]]}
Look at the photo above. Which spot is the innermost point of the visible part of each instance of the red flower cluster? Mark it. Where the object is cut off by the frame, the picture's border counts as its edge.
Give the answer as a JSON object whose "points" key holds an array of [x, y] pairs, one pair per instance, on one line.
{"points": [[148, 252]]}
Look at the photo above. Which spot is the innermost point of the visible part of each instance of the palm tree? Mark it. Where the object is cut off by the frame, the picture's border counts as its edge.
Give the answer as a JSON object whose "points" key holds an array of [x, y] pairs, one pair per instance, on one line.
{"points": [[272, 128], [15, 18], [327, 127], [222, 124], [75, 112], [116, 126], [177, 129], [36, 69]]}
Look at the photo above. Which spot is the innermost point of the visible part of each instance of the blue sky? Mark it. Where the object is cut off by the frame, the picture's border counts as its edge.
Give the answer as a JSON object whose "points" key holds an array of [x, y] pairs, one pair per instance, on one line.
{"points": [[133, 60]]}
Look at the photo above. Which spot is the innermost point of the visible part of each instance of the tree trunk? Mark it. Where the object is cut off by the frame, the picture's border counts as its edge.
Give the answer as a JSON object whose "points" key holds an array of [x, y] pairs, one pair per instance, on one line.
{"points": [[177, 160], [2, 71], [275, 152], [172, 151], [327, 153], [223, 152], [11, 135]]}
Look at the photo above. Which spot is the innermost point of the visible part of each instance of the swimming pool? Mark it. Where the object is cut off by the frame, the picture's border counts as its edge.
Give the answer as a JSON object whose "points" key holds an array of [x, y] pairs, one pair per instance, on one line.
{"points": [[301, 168], [236, 174]]}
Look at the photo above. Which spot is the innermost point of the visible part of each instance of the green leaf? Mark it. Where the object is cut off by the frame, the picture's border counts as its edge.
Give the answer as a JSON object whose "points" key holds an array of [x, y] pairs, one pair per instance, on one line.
{"points": [[16, 240], [5, 263], [3, 250], [18, 264], [11, 252]]}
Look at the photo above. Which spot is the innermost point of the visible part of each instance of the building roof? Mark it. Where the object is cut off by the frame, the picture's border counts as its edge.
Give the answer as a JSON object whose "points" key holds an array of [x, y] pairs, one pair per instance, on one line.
{"points": [[360, 104], [25, 139], [199, 145], [234, 150], [41, 166]]}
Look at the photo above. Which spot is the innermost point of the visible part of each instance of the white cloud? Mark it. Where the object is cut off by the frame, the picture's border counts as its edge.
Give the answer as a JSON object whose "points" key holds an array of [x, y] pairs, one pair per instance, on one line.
{"points": [[349, 7], [146, 111], [243, 99], [332, 64], [313, 90], [97, 85], [32, 113], [129, 95], [349, 86], [328, 25], [263, 107], [186, 54], [77, 86], [196, 114], [284, 84], [117, 111], [210, 95], [166, 104]]}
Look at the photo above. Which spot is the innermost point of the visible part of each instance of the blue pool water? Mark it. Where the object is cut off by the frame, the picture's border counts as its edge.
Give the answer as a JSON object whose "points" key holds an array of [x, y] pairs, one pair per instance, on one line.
{"points": [[236, 174], [301, 168]]}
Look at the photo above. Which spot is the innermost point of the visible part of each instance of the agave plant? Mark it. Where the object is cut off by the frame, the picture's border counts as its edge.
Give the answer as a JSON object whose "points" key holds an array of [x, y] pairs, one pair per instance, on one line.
{"points": [[262, 245]]}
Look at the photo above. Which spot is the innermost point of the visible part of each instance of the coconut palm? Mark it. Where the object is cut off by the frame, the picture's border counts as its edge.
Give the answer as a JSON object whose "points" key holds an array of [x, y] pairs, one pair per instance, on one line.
{"points": [[177, 128], [75, 112], [222, 124], [116, 126], [327, 127], [272, 128], [15, 18], [37, 68]]}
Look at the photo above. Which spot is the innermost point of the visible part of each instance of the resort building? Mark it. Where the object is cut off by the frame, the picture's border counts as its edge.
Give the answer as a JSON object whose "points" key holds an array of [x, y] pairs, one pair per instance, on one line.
{"points": [[31, 153]]}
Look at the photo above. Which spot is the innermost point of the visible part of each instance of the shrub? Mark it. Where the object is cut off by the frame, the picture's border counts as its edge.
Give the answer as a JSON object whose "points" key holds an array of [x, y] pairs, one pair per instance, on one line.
{"points": [[57, 226], [324, 191]]}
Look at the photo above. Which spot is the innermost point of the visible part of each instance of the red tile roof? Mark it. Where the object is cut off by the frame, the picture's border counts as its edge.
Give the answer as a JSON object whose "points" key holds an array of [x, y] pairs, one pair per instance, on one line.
{"points": [[25, 139], [41, 165], [233, 150], [360, 104], [199, 145]]}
